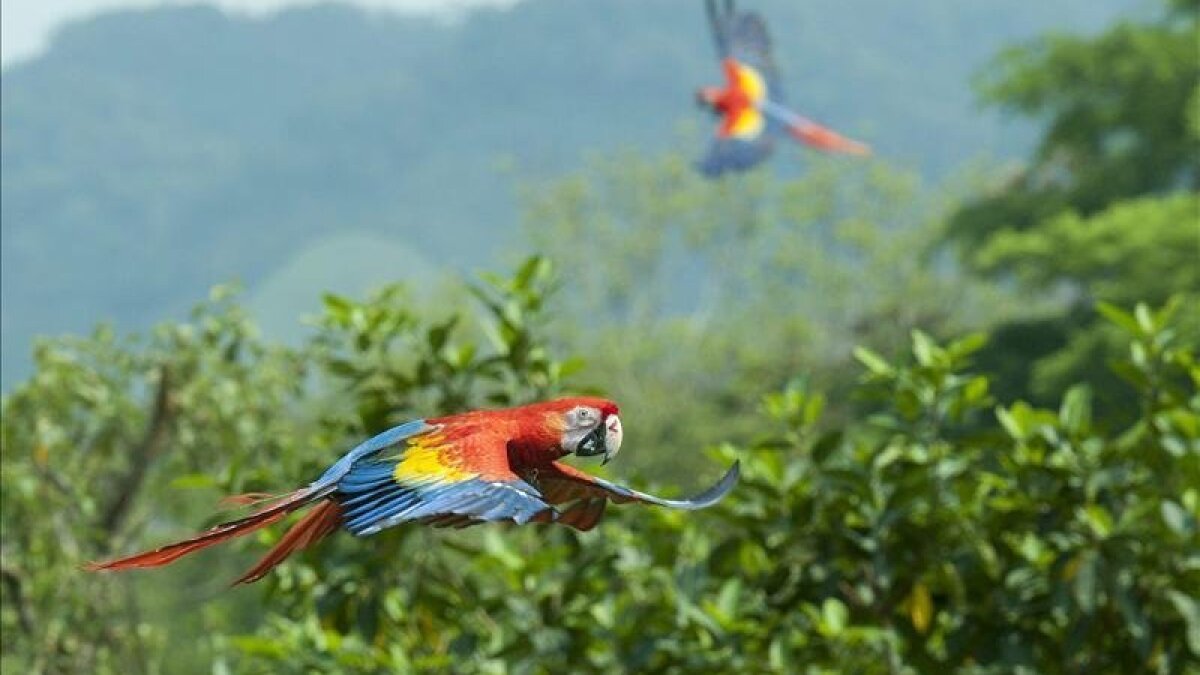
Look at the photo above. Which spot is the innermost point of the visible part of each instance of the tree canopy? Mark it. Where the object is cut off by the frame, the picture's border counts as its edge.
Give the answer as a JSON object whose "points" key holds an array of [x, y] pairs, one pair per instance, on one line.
{"points": [[1107, 207]]}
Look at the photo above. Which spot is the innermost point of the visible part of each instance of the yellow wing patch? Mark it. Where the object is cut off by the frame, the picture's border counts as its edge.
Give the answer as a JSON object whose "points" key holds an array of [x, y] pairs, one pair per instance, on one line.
{"points": [[748, 123], [426, 459], [751, 82]]}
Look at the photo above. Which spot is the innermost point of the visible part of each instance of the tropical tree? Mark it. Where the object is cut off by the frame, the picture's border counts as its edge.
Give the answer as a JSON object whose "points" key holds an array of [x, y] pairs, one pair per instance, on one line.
{"points": [[1107, 207]]}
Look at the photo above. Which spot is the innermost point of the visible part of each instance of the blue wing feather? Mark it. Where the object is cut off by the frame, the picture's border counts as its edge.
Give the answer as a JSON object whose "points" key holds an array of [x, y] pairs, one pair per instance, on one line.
{"points": [[373, 500], [750, 44], [371, 446], [719, 20], [735, 154], [705, 499], [565, 485]]}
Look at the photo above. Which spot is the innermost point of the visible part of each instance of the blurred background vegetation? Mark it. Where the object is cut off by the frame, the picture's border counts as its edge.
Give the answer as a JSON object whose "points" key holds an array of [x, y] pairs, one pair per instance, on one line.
{"points": [[964, 391]]}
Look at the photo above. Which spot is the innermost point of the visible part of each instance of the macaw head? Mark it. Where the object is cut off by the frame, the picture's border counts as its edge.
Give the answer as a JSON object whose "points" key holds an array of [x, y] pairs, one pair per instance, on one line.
{"points": [[708, 97], [590, 427]]}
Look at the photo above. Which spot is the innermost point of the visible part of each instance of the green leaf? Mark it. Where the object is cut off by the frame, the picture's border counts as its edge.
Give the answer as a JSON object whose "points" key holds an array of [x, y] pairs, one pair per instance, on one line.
{"points": [[1135, 619], [1119, 317], [499, 550], [812, 409], [834, 616], [603, 613], [966, 346], [1075, 413], [1010, 423], [1166, 313], [337, 306], [1176, 518], [1085, 584], [260, 646], [1189, 609], [1145, 319], [920, 607], [1099, 519], [571, 366], [534, 267], [924, 348], [825, 446], [874, 362], [727, 600], [976, 390]]}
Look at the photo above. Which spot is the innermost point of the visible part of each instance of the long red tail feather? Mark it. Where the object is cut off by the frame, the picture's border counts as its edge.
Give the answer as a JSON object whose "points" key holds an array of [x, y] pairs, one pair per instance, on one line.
{"points": [[215, 535], [828, 140], [310, 529]]}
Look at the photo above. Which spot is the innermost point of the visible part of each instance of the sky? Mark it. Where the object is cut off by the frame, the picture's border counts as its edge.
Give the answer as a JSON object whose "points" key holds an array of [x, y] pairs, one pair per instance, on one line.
{"points": [[26, 25]]}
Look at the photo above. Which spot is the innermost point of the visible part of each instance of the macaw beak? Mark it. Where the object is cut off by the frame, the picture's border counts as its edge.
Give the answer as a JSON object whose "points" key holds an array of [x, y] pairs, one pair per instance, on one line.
{"points": [[605, 440], [612, 437]]}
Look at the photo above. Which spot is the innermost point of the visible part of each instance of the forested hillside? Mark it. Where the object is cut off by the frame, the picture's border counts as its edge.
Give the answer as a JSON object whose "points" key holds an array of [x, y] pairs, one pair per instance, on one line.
{"points": [[150, 154]]}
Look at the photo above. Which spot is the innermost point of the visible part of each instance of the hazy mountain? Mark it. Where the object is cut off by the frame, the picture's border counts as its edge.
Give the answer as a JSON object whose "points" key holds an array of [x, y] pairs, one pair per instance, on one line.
{"points": [[149, 154]]}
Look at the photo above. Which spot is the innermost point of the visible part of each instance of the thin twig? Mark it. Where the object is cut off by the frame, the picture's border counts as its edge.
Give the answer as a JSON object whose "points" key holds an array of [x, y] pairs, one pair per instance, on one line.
{"points": [[153, 443]]}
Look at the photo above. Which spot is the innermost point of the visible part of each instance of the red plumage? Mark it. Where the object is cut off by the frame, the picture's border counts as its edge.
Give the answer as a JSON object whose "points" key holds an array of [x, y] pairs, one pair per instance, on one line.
{"points": [[453, 471], [310, 529], [169, 553]]}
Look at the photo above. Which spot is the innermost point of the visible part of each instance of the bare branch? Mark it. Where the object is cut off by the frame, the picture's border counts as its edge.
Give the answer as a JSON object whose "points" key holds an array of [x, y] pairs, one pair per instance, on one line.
{"points": [[153, 444]]}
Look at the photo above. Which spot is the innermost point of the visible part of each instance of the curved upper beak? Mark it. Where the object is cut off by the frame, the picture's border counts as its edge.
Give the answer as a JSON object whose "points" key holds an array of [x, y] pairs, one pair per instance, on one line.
{"points": [[612, 437]]}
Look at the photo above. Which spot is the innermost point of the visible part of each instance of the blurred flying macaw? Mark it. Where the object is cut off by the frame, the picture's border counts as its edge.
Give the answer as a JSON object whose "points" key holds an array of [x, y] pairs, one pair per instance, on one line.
{"points": [[751, 104], [486, 465]]}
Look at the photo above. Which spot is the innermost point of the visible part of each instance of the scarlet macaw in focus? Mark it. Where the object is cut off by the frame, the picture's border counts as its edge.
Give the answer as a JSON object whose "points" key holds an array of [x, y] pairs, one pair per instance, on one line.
{"points": [[751, 104], [460, 470]]}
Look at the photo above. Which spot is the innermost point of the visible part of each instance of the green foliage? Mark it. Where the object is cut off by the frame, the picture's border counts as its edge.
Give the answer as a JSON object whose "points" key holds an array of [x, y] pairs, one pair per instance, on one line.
{"points": [[1107, 207], [107, 443], [1145, 245], [947, 533], [113, 437], [398, 369], [1117, 110], [944, 532]]}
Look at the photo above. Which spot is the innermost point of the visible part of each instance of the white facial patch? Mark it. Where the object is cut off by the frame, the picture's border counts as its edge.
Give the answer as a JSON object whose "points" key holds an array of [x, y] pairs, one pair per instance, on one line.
{"points": [[580, 422]]}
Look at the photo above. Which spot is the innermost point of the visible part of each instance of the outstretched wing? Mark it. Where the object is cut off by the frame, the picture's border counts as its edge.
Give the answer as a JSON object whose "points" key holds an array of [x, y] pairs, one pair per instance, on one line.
{"points": [[584, 496], [720, 20], [750, 45], [372, 446], [732, 153], [440, 480], [742, 37]]}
